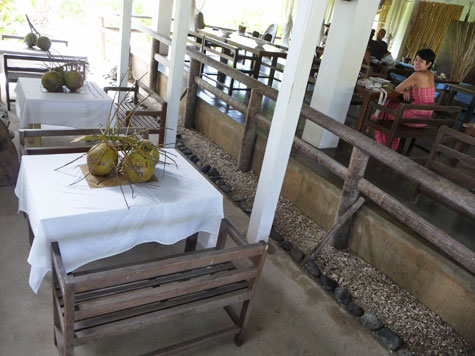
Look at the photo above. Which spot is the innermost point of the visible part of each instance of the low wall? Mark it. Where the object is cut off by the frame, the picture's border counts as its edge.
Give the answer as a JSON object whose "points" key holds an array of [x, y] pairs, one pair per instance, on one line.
{"points": [[379, 239]]}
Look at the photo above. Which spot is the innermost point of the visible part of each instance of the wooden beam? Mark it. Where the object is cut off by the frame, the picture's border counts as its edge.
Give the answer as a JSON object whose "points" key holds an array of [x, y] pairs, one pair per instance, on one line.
{"points": [[124, 34], [349, 194], [249, 137], [176, 70], [286, 114]]}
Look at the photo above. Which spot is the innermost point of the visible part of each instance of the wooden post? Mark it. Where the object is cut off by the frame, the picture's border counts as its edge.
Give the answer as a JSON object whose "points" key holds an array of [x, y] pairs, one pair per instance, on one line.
{"points": [[247, 144], [153, 67], [286, 116], [350, 193], [192, 92]]}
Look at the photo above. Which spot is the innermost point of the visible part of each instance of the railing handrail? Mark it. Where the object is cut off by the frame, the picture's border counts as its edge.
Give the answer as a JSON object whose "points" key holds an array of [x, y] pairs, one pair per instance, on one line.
{"points": [[450, 192]]}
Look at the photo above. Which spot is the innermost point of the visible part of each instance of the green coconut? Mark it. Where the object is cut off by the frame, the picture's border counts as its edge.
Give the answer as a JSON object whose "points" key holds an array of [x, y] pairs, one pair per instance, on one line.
{"points": [[138, 167], [101, 159], [151, 151], [52, 81], [30, 39], [44, 43], [73, 79]]}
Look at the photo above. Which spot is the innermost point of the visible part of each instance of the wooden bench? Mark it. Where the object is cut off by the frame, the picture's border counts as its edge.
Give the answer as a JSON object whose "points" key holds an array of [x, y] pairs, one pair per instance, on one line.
{"points": [[16, 66], [141, 112], [453, 157], [93, 304], [56, 145]]}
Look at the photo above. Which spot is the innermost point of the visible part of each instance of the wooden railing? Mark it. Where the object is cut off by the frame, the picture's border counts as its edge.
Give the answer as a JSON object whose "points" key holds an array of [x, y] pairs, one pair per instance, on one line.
{"points": [[353, 175]]}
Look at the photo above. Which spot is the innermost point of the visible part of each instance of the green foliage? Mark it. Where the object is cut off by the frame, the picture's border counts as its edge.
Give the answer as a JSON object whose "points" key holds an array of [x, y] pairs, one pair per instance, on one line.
{"points": [[9, 16], [72, 8]]}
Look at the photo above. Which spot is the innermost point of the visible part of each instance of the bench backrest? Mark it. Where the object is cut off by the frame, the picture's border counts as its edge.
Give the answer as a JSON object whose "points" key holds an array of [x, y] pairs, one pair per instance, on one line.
{"points": [[59, 141]]}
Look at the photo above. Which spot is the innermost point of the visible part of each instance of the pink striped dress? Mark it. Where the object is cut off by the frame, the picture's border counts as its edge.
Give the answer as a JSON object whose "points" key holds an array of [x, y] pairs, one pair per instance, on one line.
{"points": [[420, 96]]}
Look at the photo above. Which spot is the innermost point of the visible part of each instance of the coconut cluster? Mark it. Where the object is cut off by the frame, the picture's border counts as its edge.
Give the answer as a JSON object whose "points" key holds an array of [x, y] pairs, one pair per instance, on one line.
{"points": [[42, 42], [137, 164], [54, 80]]}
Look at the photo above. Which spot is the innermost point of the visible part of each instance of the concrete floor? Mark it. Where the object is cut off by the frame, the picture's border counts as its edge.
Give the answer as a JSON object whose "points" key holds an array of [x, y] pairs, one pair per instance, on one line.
{"points": [[293, 315]]}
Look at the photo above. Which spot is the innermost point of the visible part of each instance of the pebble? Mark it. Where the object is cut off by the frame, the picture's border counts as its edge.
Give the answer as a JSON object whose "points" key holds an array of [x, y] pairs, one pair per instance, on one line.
{"points": [[187, 152], [213, 172], [355, 309], [225, 188], [220, 182], [286, 245], [237, 198], [246, 207], [182, 148], [274, 235], [297, 255], [371, 321], [389, 338], [205, 168], [180, 144], [178, 135], [199, 164], [342, 295], [214, 179], [313, 269], [328, 283], [404, 352]]}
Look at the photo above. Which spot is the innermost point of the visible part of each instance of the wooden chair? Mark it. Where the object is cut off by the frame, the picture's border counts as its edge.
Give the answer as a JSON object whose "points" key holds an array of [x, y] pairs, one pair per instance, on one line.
{"points": [[11, 37], [140, 112], [93, 304], [16, 66], [226, 53], [398, 128], [453, 157]]}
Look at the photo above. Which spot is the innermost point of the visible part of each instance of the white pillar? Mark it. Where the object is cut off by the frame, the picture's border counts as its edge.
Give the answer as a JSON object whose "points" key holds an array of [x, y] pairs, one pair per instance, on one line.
{"points": [[407, 21], [305, 36], [124, 34], [176, 70], [162, 21], [344, 51]]}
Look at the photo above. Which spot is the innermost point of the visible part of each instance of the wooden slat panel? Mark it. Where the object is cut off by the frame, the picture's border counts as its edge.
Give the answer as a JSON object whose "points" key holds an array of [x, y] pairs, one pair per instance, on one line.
{"points": [[178, 264], [153, 282], [153, 307], [142, 321], [448, 171], [144, 296], [462, 157]]}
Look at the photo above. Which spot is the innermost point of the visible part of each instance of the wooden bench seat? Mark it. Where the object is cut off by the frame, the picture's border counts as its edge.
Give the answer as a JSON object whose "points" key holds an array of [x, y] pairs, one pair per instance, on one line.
{"points": [[89, 305], [140, 111]]}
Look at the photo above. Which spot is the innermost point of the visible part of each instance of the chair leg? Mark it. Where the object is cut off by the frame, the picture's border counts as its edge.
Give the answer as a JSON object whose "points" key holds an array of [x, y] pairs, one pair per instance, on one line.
{"points": [[7, 93], [416, 194]]}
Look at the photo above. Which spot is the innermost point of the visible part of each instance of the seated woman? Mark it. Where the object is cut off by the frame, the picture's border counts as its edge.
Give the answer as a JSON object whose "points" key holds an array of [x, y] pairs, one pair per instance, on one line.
{"points": [[418, 89]]}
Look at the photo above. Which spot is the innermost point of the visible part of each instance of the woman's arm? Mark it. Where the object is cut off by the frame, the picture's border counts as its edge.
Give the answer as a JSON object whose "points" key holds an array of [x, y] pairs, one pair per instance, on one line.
{"points": [[407, 84]]}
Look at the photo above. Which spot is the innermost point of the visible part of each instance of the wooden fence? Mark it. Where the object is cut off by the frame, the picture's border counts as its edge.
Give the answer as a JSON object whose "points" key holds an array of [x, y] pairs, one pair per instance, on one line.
{"points": [[353, 175]]}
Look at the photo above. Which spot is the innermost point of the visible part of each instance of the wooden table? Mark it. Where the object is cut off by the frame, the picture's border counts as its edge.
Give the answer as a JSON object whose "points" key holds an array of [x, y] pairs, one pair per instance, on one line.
{"points": [[249, 44], [88, 108], [465, 89], [369, 95]]}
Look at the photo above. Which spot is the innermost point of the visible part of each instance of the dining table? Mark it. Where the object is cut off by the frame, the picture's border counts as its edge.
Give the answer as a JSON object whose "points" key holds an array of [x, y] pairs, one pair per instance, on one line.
{"points": [[90, 223], [259, 49], [88, 107]]}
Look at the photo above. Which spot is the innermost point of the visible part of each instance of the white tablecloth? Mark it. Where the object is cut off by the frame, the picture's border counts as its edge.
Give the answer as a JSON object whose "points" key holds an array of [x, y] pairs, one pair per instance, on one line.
{"points": [[88, 108], [91, 224]]}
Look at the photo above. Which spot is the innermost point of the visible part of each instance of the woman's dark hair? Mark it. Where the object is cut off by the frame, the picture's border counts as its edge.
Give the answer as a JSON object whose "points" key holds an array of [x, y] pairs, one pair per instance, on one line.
{"points": [[428, 55]]}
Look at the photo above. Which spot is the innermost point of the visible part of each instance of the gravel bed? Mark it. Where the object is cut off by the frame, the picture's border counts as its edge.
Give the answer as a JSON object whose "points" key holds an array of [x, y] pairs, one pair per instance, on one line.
{"points": [[424, 332]]}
